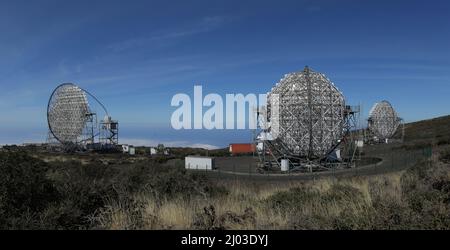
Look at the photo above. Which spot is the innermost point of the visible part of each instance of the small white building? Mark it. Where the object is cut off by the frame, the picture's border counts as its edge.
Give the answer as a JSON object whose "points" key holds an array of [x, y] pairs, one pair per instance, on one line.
{"points": [[199, 162], [128, 149], [153, 151]]}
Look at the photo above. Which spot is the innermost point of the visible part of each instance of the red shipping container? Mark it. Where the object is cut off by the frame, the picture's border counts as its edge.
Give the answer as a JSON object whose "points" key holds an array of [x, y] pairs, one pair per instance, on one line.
{"points": [[242, 148]]}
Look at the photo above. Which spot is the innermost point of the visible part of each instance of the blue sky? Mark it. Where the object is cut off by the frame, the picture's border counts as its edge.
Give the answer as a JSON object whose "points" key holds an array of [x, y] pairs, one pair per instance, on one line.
{"points": [[135, 55]]}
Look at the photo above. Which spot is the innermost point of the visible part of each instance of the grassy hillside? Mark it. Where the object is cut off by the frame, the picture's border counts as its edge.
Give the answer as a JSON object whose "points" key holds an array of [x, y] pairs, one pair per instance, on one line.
{"points": [[140, 192], [436, 130], [147, 195]]}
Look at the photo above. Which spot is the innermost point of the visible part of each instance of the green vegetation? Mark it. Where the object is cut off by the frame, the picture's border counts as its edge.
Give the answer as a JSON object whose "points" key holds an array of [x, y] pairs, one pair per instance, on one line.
{"points": [[25, 192], [68, 195], [40, 190], [151, 195], [445, 156]]}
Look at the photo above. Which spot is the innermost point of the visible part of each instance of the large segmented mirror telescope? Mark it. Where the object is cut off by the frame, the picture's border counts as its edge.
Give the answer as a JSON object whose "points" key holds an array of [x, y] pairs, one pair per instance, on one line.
{"points": [[383, 121], [311, 113], [72, 121], [68, 113]]}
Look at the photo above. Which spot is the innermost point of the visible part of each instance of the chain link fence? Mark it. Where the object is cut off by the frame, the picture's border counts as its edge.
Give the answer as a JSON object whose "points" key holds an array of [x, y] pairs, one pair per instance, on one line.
{"points": [[390, 159]]}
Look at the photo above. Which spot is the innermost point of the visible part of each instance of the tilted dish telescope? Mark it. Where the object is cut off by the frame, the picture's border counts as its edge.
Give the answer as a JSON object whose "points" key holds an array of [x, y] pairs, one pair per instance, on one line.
{"points": [[73, 123], [383, 120]]}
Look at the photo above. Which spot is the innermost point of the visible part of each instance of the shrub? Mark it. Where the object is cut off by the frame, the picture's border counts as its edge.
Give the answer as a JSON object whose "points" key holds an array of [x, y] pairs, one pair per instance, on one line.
{"points": [[425, 189], [388, 213], [292, 199], [24, 189], [343, 194], [295, 198], [445, 156], [336, 208], [208, 219]]}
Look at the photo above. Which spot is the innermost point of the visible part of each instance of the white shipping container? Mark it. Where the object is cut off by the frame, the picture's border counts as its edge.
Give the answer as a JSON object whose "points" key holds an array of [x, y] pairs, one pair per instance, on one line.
{"points": [[198, 162]]}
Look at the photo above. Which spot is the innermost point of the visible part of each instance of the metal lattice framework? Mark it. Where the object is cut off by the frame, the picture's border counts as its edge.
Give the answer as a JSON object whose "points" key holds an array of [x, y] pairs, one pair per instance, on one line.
{"points": [[68, 113], [311, 114], [383, 121], [72, 122]]}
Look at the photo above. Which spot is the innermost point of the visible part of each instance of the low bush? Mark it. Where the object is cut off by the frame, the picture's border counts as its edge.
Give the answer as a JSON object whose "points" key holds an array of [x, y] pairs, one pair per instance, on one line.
{"points": [[445, 156], [25, 190], [146, 194], [67, 195], [209, 220]]}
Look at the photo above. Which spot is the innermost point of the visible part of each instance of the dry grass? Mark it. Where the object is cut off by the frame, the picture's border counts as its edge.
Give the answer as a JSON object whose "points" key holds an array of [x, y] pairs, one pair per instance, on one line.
{"points": [[416, 198], [176, 214], [149, 195], [181, 213]]}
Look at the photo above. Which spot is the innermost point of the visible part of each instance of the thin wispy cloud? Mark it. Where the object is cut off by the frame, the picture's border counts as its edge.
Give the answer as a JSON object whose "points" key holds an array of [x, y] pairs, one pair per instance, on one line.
{"points": [[134, 57], [206, 24]]}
